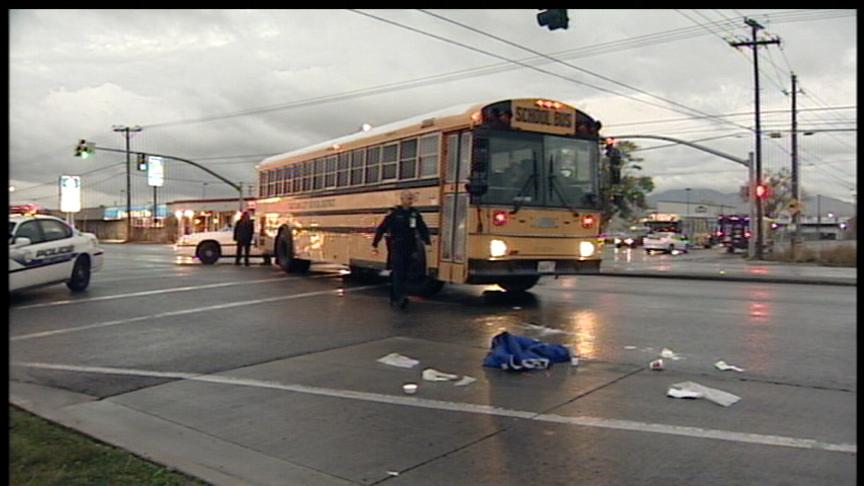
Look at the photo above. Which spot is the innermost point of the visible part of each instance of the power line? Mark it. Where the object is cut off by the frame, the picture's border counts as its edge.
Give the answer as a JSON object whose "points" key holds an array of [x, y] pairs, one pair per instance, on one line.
{"points": [[573, 66], [612, 46], [54, 182], [740, 113], [621, 44]]}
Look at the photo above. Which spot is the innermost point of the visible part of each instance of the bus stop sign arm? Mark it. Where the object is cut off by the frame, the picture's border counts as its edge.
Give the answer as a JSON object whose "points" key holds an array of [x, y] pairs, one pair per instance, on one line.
{"points": [[744, 162]]}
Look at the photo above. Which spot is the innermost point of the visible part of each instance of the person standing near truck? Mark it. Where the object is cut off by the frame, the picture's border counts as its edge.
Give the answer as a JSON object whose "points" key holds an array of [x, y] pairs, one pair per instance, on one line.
{"points": [[243, 231]]}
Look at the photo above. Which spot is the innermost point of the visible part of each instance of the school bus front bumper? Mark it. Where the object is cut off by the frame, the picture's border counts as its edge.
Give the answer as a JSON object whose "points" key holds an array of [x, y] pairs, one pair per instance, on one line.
{"points": [[491, 271]]}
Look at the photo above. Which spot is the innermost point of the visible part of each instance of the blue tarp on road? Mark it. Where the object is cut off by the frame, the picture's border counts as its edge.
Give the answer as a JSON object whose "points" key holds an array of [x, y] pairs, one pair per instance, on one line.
{"points": [[510, 352]]}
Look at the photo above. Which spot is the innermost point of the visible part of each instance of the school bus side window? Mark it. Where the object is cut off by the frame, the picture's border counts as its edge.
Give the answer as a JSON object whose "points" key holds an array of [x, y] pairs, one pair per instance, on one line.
{"points": [[330, 166], [357, 159], [388, 162], [429, 156], [373, 164], [408, 159], [343, 168]]}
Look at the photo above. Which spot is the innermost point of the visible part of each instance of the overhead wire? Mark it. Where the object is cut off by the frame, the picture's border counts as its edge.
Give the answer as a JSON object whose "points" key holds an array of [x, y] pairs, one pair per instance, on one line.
{"points": [[573, 66]]}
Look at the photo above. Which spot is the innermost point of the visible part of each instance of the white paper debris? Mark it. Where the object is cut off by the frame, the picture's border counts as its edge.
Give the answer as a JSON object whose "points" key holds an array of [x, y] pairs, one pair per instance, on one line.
{"points": [[393, 473], [656, 365], [396, 359], [676, 393], [689, 389], [629, 347], [669, 354], [465, 381], [431, 374], [574, 361], [723, 366], [543, 330]]}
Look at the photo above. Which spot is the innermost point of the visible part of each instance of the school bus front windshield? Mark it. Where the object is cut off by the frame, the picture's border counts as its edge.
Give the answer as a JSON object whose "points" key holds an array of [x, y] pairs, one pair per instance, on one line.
{"points": [[538, 170]]}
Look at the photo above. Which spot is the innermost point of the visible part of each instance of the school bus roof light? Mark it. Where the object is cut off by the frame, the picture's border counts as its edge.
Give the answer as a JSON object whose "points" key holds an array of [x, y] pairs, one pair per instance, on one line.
{"points": [[476, 117]]}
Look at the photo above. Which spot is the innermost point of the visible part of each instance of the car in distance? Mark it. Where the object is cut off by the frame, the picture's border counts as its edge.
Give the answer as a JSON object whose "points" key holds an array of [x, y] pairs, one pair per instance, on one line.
{"points": [[44, 250], [666, 242], [209, 246]]}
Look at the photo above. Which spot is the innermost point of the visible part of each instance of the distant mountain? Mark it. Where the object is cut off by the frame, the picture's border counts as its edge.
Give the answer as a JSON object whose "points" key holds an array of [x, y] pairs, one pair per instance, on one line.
{"points": [[710, 196]]}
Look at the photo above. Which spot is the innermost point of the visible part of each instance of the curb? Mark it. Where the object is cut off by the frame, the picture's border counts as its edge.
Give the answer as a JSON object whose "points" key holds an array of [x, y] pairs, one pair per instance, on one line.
{"points": [[733, 278]]}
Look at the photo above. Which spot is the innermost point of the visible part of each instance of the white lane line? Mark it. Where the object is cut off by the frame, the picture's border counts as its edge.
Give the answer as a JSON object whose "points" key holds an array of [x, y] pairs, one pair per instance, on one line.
{"points": [[186, 311], [584, 421], [161, 291]]}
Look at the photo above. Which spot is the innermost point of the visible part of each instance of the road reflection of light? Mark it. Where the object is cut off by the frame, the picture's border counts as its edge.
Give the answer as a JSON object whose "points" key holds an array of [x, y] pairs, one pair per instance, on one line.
{"points": [[757, 331], [584, 327], [758, 270]]}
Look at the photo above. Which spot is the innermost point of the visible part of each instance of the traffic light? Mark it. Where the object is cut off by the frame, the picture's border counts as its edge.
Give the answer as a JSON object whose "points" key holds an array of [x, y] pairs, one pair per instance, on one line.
{"points": [[142, 163], [85, 149], [761, 191], [554, 18], [614, 156]]}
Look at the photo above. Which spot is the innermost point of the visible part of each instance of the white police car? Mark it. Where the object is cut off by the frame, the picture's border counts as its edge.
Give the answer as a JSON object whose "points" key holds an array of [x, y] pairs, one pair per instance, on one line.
{"points": [[45, 250]]}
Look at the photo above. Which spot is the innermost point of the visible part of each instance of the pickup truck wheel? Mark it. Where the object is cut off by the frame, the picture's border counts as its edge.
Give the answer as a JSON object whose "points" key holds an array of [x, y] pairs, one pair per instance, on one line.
{"points": [[208, 252], [80, 278]]}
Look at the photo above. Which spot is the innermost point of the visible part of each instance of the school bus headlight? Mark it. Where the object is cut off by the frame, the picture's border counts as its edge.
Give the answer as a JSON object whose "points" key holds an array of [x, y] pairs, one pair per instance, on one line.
{"points": [[497, 248], [586, 249]]}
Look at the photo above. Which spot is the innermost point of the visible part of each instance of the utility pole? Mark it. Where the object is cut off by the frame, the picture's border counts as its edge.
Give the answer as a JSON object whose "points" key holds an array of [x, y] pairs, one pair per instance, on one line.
{"points": [[754, 44], [796, 193], [126, 132], [155, 207], [819, 215]]}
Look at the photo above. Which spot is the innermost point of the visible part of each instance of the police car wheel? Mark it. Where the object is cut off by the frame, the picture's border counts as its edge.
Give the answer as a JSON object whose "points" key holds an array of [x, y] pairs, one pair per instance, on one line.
{"points": [[208, 252], [80, 278]]}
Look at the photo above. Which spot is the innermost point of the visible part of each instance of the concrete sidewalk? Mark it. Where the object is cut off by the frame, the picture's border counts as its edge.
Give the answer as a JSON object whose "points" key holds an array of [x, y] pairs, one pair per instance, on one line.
{"points": [[733, 271]]}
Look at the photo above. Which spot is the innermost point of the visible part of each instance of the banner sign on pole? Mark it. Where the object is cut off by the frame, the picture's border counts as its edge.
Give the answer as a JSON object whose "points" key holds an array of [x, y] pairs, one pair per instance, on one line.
{"points": [[70, 194], [155, 171]]}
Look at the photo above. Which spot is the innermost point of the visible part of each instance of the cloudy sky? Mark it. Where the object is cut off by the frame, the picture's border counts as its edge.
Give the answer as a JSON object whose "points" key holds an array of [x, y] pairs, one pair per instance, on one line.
{"points": [[229, 87]]}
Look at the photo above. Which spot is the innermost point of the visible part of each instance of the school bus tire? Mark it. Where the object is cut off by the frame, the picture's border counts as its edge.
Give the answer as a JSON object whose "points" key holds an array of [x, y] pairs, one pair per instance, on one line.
{"points": [[284, 251], [427, 287], [519, 284]]}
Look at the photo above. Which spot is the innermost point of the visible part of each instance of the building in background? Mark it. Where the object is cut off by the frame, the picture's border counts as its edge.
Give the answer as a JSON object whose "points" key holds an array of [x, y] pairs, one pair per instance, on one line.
{"points": [[199, 215]]}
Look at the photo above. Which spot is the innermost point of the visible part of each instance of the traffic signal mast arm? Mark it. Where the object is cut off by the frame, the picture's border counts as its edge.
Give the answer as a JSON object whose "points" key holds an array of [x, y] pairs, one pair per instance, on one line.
{"points": [[744, 162], [205, 169]]}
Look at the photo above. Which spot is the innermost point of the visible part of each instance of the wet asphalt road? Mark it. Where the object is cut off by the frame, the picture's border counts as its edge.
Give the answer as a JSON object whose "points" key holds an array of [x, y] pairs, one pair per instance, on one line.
{"points": [[795, 342]]}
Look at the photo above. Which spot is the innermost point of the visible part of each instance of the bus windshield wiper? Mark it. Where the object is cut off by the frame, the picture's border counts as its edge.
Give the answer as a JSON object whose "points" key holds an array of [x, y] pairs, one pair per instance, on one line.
{"points": [[518, 200], [553, 182]]}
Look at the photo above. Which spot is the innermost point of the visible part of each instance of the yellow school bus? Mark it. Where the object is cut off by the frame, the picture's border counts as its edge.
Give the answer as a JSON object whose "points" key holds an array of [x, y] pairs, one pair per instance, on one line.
{"points": [[509, 190]]}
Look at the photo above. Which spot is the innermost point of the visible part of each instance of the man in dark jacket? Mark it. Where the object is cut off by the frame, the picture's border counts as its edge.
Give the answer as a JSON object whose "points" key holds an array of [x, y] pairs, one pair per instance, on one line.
{"points": [[243, 231], [403, 225]]}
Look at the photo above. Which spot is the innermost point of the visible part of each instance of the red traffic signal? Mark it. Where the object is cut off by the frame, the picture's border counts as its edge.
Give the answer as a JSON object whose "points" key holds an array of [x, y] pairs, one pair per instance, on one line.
{"points": [[761, 191]]}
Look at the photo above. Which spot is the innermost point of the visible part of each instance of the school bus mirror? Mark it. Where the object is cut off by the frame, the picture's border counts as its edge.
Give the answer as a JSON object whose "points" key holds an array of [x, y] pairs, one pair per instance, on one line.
{"points": [[476, 186]]}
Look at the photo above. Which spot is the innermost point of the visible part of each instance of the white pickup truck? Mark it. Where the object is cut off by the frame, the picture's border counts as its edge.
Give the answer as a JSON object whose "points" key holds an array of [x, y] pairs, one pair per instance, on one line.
{"points": [[666, 242]]}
